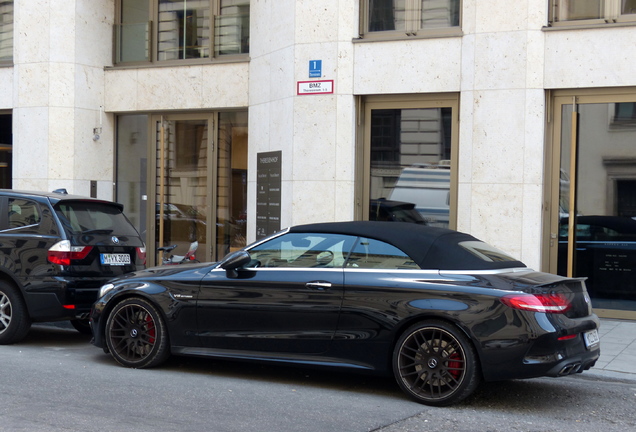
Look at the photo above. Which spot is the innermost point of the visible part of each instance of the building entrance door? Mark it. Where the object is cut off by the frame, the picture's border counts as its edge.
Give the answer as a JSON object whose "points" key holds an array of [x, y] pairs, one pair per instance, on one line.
{"points": [[593, 217], [182, 202]]}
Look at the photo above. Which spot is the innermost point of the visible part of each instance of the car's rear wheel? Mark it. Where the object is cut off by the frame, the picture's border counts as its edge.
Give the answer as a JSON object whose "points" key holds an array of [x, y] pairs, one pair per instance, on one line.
{"points": [[136, 334], [14, 316], [435, 364]]}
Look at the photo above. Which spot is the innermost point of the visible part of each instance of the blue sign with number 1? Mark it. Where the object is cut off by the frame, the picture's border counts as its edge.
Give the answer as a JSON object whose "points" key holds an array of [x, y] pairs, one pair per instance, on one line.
{"points": [[315, 68]]}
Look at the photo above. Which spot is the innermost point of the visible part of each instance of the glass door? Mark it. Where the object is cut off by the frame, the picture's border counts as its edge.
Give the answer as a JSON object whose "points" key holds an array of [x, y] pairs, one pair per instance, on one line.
{"points": [[593, 221], [183, 146]]}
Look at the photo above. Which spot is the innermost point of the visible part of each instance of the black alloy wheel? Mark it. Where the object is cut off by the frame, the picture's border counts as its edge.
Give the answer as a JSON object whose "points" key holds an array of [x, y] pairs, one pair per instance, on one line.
{"points": [[14, 316], [435, 364], [136, 334]]}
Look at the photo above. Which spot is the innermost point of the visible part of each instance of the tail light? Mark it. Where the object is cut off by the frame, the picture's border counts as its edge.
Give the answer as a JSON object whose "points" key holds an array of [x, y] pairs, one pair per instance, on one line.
{"points": [[141, 254], [62, 253], [546, 303]]}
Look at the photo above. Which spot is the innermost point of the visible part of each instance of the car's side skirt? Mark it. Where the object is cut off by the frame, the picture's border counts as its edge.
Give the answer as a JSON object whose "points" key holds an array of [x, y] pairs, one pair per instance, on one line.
{"points": [[298, 359]]}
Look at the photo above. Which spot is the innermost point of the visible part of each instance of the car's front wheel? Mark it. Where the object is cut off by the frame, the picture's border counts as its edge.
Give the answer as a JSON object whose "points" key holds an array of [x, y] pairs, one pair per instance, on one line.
{"points": [[136, 334], [435, 364], [14, 316]]}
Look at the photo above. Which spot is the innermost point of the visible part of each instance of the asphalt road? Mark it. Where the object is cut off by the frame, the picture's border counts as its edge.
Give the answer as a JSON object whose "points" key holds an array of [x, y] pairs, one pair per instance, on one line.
{"points": [[56, 381]]}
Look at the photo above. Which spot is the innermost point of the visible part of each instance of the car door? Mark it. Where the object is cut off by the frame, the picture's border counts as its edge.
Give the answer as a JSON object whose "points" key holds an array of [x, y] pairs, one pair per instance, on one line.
{"points": [[287, 300]]}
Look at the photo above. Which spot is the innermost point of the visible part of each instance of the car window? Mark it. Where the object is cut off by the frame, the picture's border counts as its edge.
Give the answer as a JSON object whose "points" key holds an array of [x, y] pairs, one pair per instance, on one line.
{"points": [[23, 213], [302, 250], [486, 252], [375, 254], [86, 216]]}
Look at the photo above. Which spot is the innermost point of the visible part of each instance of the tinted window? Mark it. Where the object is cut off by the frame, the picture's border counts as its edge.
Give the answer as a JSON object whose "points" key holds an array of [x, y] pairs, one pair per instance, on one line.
{"points": [[369, 253], [85, 216], [23, 213], [303, 250]]}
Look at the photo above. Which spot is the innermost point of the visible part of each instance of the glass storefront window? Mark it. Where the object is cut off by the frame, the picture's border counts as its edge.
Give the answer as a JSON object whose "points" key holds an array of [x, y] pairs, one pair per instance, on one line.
{"points": [[591, 11], [183, 29], [409, 17], [6, 30], [231, 183], [132, 168], [151, 31], [181, 197], [410, 169], [601, 185]]}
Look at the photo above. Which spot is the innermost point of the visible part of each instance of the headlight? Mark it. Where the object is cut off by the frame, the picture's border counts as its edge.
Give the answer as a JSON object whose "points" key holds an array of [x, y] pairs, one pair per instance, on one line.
{"points": [[104, 290]]}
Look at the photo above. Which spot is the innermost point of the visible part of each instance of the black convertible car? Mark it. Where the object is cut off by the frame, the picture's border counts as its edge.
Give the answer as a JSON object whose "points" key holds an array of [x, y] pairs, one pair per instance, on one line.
{"points": [[437, 308]]}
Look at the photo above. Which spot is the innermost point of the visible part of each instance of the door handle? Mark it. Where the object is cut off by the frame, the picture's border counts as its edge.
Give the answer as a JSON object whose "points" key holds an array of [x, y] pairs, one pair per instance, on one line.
{"points": [[320, 286]]}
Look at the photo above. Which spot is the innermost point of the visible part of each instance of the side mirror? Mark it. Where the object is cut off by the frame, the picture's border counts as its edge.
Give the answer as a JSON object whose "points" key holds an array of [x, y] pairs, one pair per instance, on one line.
{"points": [[233, 261]]}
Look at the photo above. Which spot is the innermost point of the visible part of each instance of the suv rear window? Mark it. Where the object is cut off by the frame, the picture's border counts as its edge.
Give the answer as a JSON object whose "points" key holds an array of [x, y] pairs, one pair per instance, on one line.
{"points": [[80, 217]]}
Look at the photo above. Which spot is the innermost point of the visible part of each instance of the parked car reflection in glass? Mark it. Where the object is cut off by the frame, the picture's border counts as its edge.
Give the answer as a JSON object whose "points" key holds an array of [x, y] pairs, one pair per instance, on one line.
{"points": [[605, 254]]}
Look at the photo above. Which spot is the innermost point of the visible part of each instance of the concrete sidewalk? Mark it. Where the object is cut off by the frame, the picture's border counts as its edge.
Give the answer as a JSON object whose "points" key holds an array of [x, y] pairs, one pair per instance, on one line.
{"points": [[618, 350]]}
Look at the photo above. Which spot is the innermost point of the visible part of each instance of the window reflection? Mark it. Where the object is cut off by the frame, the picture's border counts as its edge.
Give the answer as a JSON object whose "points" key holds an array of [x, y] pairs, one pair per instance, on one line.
{"points": [[6, 30], [403, 15], [605, 213], [410, 164], [232, 182]]}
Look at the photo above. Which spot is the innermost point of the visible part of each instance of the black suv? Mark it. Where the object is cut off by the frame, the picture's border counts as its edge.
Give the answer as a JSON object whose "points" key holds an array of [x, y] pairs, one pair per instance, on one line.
{"points": [[56, 250]]}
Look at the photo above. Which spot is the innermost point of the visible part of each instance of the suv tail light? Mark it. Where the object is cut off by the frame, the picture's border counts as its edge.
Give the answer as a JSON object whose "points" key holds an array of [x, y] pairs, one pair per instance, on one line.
{"points": [[141, 254], [546, 303], [62, 253]]}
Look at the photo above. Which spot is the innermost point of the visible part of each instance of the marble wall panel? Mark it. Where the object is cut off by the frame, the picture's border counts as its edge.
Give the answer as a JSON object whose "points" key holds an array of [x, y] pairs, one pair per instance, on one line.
{"points": [[495, 215], [94, 25], [61, 144], [418, 66], [345, 139], [32, 27], [501, 16], [61, 84], [500, 60], [280, 120], [260, 72], [120, 90], [317, 20], [534, 133], [498, 136], [312, 201], [590, 58], [62, 21], [6, 88], [32, 84], [177, 88], [94, 159], [344, 201], [314, 156], [531, 239], [465, 149], [88, 87], [31, 133]]}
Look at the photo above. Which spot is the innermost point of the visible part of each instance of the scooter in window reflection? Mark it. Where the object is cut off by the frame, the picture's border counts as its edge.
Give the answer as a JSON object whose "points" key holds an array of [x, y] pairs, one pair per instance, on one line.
{"points": [[169, 259]]}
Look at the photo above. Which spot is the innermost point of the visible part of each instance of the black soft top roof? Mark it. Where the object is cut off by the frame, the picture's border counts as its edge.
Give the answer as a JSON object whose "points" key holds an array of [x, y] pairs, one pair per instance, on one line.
{"points": [[430, 247]]}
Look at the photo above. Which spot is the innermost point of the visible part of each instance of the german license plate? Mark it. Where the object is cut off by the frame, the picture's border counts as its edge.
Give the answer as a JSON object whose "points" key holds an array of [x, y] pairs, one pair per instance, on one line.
{"points": [[115, 259], [591, 339]]}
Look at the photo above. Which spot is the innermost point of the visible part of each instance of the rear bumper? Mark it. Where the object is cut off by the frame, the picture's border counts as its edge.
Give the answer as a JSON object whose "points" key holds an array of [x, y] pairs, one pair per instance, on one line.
{"points": [[542, 353], [60, 298]]}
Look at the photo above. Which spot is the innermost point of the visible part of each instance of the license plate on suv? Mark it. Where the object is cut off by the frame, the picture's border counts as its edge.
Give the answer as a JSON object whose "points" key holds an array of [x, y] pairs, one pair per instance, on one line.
{"points": [[115, 259]]}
